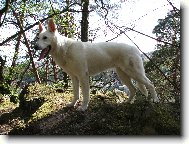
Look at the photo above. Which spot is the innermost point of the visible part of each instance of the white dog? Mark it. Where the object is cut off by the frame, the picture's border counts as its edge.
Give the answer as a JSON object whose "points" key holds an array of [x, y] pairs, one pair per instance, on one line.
{"points": [[82, 59]]}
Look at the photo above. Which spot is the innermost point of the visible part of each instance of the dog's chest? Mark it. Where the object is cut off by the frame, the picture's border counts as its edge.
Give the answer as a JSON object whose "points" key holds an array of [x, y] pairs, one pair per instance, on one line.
{"points": [[59, 59]]}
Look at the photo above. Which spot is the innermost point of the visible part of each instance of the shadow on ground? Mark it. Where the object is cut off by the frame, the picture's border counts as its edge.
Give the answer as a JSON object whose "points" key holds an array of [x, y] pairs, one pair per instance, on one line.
{"points": [[104, 117], [23, 111]]}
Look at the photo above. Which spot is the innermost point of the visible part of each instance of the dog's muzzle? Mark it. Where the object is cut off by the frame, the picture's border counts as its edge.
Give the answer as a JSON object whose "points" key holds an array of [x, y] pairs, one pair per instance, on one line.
{"points": [[44, 52], [36, 47]]}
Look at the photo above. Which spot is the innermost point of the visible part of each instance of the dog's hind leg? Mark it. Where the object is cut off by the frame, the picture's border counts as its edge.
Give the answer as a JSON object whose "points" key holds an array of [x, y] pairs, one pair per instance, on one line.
{"points": [[137, 72], [142, 88], [75, 83], [127, 81], [143, 80]]}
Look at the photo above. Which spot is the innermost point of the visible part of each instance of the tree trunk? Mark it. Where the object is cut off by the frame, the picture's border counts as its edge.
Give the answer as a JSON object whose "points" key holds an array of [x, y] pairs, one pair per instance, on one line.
{"points": [[15, 57], [20, 22], [46, 70], [16, 51], [2, 64], [65, 76], [31, 59], [54, 71], [84, 21]]}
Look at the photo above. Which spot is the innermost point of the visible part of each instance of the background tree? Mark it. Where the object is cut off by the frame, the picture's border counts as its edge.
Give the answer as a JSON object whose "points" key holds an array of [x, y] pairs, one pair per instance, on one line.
{"points": [[167, 57], [84, 21]]}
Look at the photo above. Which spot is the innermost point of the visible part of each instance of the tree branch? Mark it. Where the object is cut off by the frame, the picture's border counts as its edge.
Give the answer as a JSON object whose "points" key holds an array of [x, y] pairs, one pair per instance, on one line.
{"points": [[174, 8], [4, 10], [36, 23]]}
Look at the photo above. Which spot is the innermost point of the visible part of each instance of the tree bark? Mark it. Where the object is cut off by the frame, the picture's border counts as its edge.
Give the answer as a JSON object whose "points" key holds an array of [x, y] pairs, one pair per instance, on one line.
{"points": [[46, 70], [20, 22], [84, 21], [15, 57], [54, 71], [2, 64], [31, 59]]}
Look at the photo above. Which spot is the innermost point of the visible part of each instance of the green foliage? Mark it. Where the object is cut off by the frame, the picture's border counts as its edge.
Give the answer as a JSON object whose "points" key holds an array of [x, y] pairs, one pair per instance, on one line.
{"points": [[28, 9], [168, 29], [6, 86], [13, 78], [103, 117], [167, 58], [65, 21], [43, 111]]}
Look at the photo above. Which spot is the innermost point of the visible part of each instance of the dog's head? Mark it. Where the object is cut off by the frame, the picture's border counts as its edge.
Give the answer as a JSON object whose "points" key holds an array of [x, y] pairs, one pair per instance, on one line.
{"points": [[45, 38]]}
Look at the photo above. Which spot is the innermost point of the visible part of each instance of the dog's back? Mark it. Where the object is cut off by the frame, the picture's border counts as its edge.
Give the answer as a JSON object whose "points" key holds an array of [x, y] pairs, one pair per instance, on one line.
{"points": [[101, 56]]}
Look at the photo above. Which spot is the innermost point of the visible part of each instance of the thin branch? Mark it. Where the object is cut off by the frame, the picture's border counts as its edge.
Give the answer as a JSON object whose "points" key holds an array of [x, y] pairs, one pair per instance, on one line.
{"points": [[102, 7], [114, 37], [151, 37], [127, 28], [20, 22], [174, 8], [36, 23], [4, 10]]}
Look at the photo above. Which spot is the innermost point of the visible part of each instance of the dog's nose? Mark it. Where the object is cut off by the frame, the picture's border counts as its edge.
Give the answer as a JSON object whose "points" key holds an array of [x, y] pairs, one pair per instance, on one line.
{"points": [[36, 47]]}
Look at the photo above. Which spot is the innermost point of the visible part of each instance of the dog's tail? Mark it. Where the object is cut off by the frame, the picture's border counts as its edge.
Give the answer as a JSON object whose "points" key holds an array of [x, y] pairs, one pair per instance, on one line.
{"points": [[142, 88]]}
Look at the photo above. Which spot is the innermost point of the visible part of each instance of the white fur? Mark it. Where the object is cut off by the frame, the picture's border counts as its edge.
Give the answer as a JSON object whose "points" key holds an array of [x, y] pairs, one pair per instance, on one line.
{"points": [[82, 59]]}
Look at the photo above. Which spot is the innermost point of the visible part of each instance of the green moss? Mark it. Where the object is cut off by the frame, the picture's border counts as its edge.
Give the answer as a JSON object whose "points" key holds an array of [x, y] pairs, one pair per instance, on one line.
{"points": [[104, 116]]}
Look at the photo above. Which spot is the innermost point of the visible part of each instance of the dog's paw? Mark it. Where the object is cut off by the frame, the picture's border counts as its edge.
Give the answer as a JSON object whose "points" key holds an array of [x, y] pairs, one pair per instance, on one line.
{"points": [[156, 100], [131, 101], [70, 104], [81, 108]]}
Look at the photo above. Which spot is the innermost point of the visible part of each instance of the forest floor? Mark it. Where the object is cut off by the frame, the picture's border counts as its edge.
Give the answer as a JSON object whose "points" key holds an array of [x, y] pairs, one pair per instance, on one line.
{"points": [[43, 112]]}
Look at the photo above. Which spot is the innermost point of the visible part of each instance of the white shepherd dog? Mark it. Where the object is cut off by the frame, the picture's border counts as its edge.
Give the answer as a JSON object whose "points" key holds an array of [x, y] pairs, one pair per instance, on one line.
{"points": [[82, 59]]}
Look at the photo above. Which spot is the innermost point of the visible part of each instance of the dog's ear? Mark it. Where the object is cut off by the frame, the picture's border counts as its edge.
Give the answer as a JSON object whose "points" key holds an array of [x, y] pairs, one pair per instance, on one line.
{"points": [[51, 25], [40, 27]]}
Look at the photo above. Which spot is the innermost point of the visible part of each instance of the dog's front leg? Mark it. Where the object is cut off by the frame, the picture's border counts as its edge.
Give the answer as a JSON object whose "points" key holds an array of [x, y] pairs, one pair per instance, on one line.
{"points": [[84, 81], [75, 83]]}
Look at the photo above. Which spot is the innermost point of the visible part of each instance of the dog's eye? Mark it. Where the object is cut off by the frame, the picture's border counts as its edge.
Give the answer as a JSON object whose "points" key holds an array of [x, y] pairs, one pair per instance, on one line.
{"points": [[44, 37]]}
